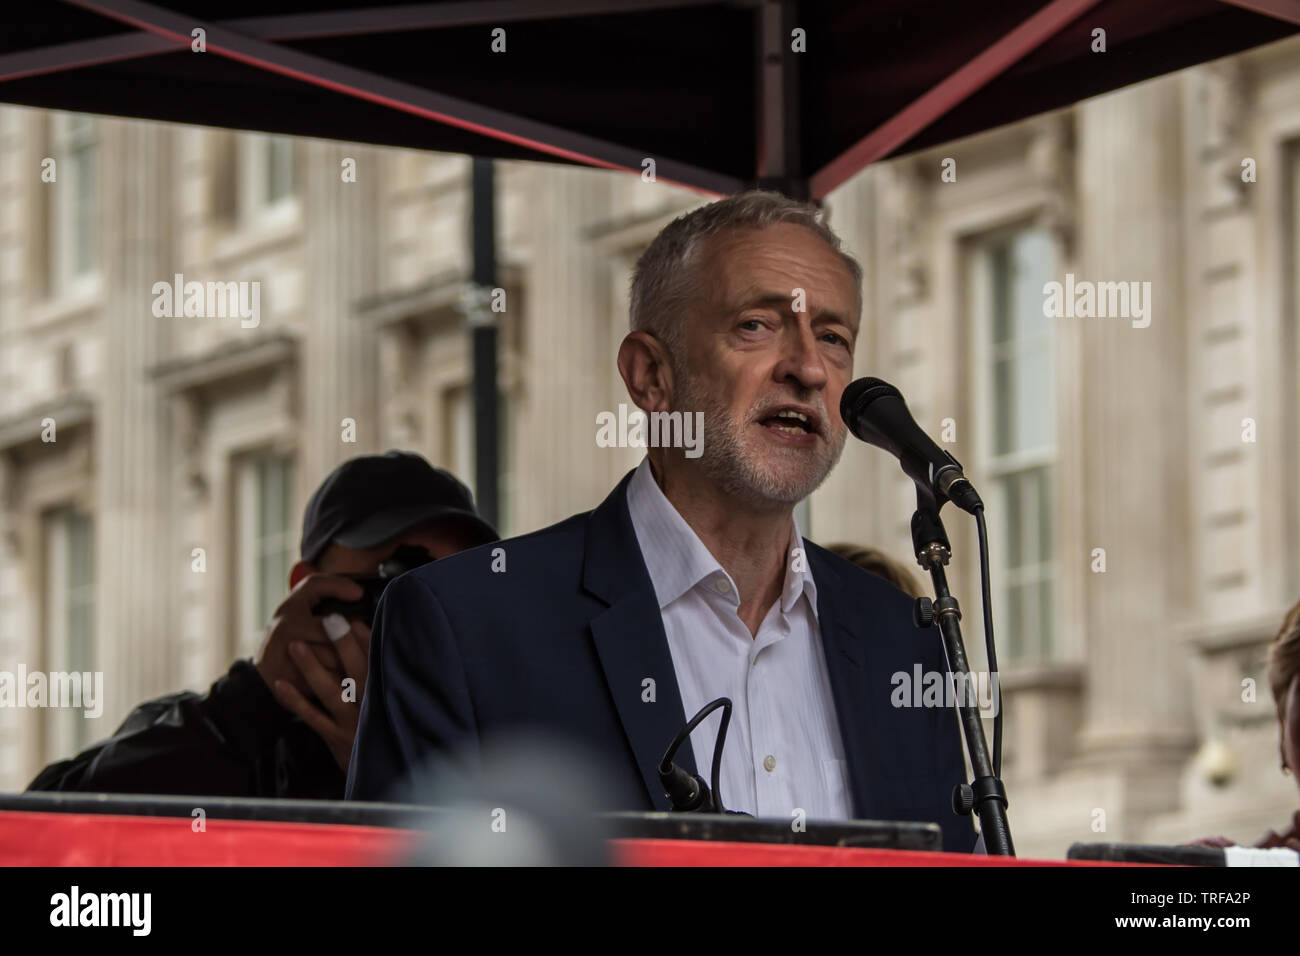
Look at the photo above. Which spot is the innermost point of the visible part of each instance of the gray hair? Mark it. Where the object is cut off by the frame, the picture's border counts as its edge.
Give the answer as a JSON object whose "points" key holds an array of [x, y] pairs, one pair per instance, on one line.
{"points": [[664, 281]]}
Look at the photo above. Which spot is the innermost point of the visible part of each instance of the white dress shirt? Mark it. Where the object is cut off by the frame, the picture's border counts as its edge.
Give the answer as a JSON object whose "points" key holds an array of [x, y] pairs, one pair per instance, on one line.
{"points": [[783, 750]]}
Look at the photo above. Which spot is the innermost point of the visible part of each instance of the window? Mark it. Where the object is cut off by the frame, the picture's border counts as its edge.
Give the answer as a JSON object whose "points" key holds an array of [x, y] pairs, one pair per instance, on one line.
{"points": [[1295, 233], [1290, 343], [266, 176], [458, 452], [69, 617], [265, 549], [1016, 380], [277, 158], [73, 203], [223, 159]]}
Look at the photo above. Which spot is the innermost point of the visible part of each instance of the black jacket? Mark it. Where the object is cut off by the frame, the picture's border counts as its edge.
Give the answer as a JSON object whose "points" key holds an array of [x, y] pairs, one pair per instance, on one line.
{"points": [[564, 643], [234, 741]]}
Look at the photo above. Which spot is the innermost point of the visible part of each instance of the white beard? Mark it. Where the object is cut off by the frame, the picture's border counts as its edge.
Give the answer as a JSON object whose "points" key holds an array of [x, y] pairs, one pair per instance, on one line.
{"points": [[736, 468]]}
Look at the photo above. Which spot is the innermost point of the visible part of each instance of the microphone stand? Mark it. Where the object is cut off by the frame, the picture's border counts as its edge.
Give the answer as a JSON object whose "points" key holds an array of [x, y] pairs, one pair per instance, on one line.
{"points": [[986, 795]]}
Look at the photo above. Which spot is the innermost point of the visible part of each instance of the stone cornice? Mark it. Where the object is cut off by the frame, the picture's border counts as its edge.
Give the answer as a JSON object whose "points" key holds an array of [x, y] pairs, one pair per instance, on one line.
{"points": [[24, 428], [437, 300], [230, 359]]}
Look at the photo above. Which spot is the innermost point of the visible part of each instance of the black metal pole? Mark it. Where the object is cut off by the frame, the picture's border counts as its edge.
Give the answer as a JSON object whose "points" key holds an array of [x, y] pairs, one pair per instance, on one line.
{"points": [[483, 337], [777, 110], [986, 795]]}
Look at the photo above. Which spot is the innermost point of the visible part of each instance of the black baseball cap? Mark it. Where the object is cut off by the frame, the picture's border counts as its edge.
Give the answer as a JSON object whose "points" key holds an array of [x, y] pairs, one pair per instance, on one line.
{"points": [[368, 500]]}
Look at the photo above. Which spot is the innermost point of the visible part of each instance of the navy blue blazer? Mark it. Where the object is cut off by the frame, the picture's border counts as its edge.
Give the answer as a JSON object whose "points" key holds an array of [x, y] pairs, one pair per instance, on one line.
{"points": [[561, 640]]}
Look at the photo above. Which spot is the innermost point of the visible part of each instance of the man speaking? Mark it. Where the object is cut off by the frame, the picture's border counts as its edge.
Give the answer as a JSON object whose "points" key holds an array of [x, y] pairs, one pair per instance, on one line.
{"points": [[691, 580]]}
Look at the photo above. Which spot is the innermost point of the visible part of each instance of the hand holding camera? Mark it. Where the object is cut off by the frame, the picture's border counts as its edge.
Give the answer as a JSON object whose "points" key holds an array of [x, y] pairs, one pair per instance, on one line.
{"points": [[323, 681], [295, 620], [337, 693]]}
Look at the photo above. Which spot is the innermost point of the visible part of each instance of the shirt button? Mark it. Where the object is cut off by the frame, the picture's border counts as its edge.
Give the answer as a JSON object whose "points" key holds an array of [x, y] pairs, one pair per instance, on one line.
{"points": [[723, 585], [769, 763]]}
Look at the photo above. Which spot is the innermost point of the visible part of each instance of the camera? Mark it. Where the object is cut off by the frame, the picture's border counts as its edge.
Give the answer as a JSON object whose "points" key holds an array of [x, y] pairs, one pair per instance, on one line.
{"points": [[405, 558]]}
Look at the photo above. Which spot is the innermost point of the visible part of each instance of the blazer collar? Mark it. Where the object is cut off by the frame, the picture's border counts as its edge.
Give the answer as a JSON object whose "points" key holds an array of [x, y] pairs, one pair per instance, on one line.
{"points": [[855, 685], [633, 650], [630, 641]]}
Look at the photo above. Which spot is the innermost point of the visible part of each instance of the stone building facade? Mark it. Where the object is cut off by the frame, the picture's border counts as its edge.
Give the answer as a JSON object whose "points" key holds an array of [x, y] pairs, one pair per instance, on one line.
{"points": [[153, 469]]}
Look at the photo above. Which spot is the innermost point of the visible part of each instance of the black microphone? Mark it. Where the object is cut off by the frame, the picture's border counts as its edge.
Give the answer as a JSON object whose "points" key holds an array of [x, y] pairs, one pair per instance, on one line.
{"points": [[875, 412], [687, 792]]}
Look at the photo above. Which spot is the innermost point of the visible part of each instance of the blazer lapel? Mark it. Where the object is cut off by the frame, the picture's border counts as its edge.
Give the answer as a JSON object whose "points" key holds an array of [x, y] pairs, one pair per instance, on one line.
{"points": [[630, 641], [855, 687]]}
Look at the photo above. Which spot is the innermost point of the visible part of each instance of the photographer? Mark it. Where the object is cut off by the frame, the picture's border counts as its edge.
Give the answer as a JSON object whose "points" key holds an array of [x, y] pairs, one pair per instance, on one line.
{"points": [[281, 725]]}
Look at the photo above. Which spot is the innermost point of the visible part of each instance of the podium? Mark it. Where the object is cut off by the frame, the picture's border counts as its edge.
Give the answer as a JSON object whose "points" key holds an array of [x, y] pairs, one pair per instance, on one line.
{"points": [[56, 829]]}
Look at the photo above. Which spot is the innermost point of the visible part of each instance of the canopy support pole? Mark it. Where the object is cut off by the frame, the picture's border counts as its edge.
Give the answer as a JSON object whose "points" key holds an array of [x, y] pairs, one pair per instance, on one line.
{"points": [[780, 161], [483, 341]]}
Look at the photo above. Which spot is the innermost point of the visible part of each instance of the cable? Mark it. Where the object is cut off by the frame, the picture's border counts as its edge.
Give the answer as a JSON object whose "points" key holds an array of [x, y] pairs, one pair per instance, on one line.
{"points": [[717, 753], [666, 763], [987, 599]]}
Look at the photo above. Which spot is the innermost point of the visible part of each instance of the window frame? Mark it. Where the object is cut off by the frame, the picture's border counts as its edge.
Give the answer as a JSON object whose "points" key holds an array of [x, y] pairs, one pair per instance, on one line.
{"points": [[72, 138], [254, 206], [255, 581], [1023, 651], [65, 730]]}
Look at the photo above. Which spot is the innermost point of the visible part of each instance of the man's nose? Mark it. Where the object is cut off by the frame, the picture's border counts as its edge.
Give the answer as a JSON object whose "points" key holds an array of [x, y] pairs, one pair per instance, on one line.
{"points": [[802, 359]]}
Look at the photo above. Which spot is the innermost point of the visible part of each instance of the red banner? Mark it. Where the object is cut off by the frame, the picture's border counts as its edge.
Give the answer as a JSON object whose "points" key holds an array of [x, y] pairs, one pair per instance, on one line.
{"points": [[68, 839]]}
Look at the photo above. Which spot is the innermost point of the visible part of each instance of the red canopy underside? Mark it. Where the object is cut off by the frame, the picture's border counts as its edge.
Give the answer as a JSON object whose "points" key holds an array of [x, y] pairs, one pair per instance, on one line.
{"points": [[712, 92]]}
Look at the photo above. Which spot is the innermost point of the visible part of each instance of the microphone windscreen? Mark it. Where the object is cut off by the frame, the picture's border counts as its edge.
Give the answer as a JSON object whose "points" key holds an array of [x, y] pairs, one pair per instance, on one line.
{"points": [[858, 395]]}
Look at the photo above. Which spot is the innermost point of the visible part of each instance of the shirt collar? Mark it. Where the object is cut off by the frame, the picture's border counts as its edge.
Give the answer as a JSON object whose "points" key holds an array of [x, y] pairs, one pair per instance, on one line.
{"points": [[798, 573], [678, 560]]}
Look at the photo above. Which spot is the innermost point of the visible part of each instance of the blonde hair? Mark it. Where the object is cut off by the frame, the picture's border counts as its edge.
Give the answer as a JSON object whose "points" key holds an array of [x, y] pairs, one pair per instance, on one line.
{"points": [[879, 564], [1284, 659]]}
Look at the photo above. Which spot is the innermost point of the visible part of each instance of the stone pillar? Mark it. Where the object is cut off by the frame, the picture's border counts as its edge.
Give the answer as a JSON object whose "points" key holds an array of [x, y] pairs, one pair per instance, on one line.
{"points": [[1133, 418], [338, 364], [135, 554], [566, 369], [839, 509]]}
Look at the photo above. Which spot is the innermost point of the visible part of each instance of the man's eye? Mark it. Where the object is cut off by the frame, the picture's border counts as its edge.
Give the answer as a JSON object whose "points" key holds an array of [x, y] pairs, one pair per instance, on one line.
{"points": [[754, 325], [835, 338]]}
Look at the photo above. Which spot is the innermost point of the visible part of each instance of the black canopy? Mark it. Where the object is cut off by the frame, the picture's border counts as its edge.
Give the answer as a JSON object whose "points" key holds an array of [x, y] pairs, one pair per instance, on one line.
{"points": [[711, 91]]}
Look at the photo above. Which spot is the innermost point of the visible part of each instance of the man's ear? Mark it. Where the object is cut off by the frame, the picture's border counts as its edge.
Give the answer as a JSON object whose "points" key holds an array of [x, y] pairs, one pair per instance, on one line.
{"points": [[300, 571], [643, 363]]}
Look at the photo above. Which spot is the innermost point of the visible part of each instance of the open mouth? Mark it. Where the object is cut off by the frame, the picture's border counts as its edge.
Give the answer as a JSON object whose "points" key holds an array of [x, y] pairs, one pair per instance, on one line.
{"points": [[790, 422]]}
